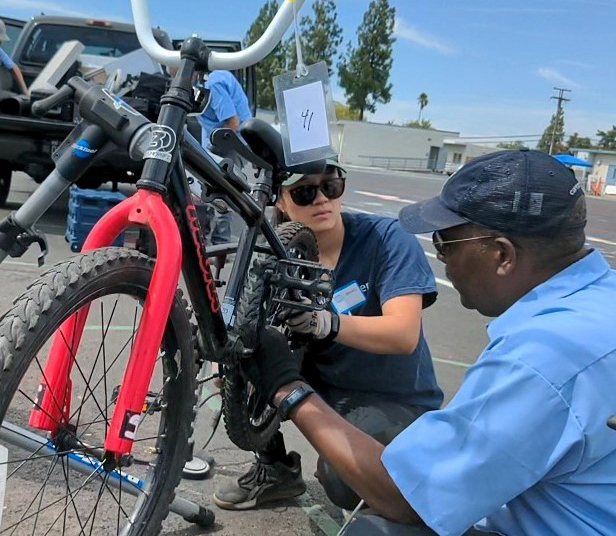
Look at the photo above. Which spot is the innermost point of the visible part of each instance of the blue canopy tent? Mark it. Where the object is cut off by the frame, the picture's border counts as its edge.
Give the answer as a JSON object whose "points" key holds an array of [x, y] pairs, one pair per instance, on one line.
{"points": [[569, 160]]}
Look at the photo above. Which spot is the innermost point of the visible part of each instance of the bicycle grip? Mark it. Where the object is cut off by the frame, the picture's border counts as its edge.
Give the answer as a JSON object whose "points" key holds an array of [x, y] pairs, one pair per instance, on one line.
{"points": [[41, 107]]}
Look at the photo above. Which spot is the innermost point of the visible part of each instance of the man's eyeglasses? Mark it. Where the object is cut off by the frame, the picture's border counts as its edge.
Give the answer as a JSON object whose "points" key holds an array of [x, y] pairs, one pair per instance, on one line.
{"points": [[441, 245], [305, 195]]}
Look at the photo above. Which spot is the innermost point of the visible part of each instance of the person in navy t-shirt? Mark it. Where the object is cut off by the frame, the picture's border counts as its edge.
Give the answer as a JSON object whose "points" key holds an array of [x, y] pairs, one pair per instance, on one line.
{"points": [[369, 359]]}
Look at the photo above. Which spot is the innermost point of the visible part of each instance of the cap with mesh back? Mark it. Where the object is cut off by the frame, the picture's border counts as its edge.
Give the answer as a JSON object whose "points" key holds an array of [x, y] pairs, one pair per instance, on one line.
{"points": [[292, 179], [520, 192]]}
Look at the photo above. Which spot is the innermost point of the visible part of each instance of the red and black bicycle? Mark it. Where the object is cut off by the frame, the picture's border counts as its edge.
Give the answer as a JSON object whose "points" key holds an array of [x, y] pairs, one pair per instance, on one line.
{"points": [[100, 355]]}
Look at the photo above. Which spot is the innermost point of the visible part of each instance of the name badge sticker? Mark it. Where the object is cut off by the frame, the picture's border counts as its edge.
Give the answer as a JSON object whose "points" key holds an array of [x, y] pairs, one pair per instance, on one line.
{"points": [[347, 298]]}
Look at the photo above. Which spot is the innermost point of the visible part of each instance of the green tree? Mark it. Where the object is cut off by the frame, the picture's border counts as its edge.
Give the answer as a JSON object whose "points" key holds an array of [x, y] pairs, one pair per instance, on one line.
{"points": [[607, 139], [344, 112], [364, 69], [422, 100], [424, 123], [579, 142], [517, 144], [270, 66], [321, 36], [555, 129]]}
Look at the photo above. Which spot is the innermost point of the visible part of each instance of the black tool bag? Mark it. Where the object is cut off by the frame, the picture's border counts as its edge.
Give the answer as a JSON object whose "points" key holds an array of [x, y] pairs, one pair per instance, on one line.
{"points": [[147, 94]]}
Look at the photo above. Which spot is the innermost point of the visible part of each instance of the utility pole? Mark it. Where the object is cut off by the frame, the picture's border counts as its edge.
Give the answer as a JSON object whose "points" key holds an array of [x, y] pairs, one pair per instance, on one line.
{"points": [[560, 99]]}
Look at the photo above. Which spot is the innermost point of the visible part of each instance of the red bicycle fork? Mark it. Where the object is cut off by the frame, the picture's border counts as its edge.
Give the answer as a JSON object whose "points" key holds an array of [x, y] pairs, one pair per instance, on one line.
{"points": [[52, 408]]}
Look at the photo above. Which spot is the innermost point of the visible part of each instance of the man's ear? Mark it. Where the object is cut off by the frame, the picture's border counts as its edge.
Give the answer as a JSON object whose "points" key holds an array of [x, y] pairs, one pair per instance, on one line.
{"points": [[506, 256]]}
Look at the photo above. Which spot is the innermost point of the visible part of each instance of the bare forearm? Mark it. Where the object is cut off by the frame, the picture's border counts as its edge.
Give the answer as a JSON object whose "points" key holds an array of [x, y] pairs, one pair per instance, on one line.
{"points": [[379, 334], [354, 455], [233, 123], [20, 80]]}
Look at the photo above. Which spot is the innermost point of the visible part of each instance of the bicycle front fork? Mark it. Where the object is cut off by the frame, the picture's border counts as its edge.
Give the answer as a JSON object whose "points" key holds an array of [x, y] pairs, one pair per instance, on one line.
{"points": [[52, 407]]}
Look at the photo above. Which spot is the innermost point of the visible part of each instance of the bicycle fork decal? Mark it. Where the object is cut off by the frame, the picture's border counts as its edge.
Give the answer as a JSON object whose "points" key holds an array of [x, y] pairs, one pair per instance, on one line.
{"points": [[204, 264], [147, 209]]}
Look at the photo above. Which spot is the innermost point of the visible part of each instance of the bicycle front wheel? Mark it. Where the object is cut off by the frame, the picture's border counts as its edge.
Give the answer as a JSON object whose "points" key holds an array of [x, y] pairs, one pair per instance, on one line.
{"points": [[57, 485]]}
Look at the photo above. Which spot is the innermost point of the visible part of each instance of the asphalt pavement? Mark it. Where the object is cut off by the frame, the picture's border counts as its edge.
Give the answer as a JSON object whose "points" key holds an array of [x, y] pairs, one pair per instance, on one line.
{"points": [[456, 337]]}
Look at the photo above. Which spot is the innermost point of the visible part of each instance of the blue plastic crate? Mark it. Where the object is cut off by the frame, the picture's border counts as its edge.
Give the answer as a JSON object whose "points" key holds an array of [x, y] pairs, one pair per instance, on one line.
{"points": [[85, 208]]}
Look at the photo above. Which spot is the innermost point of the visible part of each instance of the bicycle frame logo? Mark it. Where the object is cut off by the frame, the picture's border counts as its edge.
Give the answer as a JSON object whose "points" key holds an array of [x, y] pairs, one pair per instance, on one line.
{"points": [[162, 143], [204, 264]]}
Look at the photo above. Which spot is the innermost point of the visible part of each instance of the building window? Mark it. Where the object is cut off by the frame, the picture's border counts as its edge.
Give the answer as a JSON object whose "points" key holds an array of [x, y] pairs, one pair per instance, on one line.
{"points": [[457, 158]]}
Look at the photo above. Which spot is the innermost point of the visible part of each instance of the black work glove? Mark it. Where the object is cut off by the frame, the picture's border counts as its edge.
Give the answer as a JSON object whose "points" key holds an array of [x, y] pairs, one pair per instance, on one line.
{"points": [[276, 363]]}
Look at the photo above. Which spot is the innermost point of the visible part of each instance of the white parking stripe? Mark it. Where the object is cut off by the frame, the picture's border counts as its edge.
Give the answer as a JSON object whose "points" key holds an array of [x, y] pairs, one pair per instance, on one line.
{"points": [[600, 240]]}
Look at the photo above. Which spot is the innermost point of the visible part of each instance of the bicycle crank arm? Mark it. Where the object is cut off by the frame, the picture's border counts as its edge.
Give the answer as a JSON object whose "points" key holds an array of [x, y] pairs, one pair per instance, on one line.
{"points": [[24, 439]]}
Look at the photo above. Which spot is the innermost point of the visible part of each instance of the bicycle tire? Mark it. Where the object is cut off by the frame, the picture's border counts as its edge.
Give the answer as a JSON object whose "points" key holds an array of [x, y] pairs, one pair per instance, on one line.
{"points": [[250, 318], [5, 182], [57, 294]]}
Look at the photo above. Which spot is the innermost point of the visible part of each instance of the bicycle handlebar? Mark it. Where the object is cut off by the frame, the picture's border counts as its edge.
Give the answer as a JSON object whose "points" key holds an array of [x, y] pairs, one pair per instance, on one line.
{"points": [[217, 60], [41, 107]]}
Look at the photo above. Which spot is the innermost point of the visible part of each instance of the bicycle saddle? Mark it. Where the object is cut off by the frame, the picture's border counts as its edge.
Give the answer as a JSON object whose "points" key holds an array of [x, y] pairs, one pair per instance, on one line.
{"points": [[266, 142]]}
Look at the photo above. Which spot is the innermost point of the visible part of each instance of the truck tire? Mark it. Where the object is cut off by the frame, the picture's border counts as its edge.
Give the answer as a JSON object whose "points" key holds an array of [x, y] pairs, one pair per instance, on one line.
{"points": [[5, 182]]}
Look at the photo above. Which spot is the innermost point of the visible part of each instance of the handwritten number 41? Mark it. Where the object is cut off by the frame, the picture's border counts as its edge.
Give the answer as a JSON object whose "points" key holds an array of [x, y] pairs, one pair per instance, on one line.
{"points": [[307, 116]]}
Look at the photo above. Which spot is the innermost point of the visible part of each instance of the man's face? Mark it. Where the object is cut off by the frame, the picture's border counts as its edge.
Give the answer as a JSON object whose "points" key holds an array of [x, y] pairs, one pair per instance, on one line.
{"points": [[465, 251]]}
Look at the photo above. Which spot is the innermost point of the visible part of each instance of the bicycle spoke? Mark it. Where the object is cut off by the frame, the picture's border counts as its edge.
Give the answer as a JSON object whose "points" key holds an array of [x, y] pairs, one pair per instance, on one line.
{"points": [[31, 400], [66, 472], [86, 398], [83, 377], [95, 362], [96, 503], [22, 461], [72, 495], [104, 333], [38, 493]]}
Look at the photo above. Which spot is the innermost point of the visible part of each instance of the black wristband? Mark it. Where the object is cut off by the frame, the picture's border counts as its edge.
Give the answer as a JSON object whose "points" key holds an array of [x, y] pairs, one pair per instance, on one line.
{"points": [[293, 399]]}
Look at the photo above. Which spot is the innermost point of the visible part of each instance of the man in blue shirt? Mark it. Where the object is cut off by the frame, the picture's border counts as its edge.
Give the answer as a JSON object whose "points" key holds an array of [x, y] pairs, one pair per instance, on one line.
{"points": [[9, 64], [523, 448], [227, 107]]}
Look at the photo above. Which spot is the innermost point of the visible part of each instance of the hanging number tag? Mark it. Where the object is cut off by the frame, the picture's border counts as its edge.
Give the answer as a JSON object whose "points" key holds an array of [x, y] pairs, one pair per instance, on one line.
{"points": [[307, 117]]}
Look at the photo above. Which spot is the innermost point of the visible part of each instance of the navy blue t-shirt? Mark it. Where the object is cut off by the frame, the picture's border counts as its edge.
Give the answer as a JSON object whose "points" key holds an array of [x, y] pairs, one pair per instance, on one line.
{"points": [[385, 262]]}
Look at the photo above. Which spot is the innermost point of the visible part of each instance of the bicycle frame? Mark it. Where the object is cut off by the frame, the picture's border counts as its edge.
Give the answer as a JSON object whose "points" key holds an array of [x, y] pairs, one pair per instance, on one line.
{"points": [[180, 243]]}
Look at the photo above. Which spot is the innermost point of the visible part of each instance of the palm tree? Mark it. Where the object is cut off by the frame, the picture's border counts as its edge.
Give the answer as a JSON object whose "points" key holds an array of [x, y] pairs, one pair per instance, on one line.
{"points": [[422, 100]]}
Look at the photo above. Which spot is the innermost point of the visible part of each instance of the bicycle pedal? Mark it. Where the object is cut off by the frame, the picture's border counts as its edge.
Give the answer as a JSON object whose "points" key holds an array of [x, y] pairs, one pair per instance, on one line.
{"points": [[313, 281], [151, 404]]}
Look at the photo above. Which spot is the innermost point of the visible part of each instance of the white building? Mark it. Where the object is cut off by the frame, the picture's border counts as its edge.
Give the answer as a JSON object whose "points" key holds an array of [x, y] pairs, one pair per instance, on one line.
{"points": [[602, 173]]}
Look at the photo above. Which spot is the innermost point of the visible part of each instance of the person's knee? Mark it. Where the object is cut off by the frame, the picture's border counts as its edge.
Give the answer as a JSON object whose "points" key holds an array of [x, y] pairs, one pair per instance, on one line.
{"points": [[336, 490]]}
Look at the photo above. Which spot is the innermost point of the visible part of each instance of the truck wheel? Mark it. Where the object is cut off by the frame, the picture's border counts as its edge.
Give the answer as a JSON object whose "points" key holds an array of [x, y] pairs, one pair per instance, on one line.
{"points": [[5, 183]]}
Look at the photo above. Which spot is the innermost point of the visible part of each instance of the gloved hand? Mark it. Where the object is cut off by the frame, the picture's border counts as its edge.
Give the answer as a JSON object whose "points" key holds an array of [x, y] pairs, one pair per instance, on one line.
{"points": [[315, 323], [276, 363]]}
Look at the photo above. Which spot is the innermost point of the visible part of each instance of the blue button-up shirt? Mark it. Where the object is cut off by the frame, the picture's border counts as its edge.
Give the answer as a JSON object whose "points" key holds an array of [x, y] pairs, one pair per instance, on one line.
{"points": [[523, 448], [227, 99], [6, 60]]}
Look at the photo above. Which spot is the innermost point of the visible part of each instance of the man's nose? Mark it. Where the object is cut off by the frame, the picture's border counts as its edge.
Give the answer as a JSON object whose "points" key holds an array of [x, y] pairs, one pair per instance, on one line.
{"points": [[320, 198]]}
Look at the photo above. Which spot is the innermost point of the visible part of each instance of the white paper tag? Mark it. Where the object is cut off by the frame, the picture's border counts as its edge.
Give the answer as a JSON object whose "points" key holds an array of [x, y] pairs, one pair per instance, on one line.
{"points": [[306, 111], [306, 117], [4, 457], [347, 298]]}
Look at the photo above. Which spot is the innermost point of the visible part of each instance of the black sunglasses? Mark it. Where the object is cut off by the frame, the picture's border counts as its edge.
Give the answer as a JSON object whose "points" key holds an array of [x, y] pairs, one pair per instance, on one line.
{"points": [[305, 195]]}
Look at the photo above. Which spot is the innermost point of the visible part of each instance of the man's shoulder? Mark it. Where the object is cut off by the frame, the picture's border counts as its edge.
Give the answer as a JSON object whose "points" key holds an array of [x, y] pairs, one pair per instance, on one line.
{"points": [[221, 77]]}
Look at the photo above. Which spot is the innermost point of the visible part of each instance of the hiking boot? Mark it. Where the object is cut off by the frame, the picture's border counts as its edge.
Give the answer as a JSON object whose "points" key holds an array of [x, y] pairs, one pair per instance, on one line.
{"points": [[263, 483]]}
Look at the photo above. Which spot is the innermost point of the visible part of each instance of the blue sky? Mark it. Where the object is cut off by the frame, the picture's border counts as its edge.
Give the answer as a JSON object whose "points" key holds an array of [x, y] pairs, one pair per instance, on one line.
{"points": [[488, 66]]}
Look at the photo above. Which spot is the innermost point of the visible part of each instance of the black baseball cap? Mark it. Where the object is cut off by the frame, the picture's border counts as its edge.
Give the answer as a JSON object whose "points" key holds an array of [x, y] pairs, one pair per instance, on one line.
{"points": [[520, 192]]}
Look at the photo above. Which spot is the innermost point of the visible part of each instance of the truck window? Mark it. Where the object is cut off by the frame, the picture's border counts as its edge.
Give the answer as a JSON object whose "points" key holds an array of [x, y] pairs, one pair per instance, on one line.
{"points": [[47, 39], [13, 32]]}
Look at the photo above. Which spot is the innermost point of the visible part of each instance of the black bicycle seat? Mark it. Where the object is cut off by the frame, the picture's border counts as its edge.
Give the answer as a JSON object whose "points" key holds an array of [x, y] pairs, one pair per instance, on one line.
{"points": [[266, 142]]}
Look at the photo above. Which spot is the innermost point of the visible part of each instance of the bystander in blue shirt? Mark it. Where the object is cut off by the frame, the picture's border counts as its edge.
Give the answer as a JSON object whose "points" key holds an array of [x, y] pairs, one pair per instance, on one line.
{"points": [[523, 448], [6, 61], [227, 99]]}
